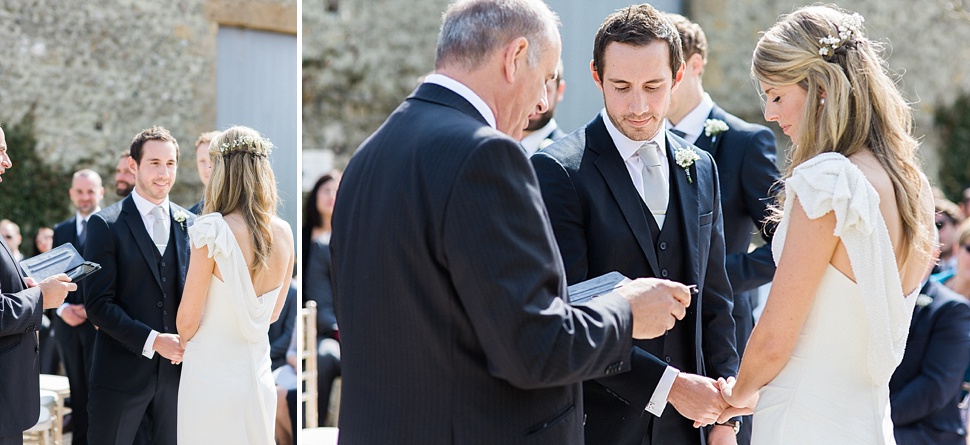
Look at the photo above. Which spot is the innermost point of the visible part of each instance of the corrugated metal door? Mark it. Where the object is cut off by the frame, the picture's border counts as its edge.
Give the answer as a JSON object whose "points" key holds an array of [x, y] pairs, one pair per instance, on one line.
{"points": [[257, 87]]}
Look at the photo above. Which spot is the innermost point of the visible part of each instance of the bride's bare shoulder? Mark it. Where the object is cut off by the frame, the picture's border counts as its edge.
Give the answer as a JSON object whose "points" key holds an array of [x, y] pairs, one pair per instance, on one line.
{"points": [[874, 172]]}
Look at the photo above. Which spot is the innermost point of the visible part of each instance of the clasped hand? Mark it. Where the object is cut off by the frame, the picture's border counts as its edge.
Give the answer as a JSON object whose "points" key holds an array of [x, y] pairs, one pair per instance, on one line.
{"points": [[170, 347], [707, 401]]}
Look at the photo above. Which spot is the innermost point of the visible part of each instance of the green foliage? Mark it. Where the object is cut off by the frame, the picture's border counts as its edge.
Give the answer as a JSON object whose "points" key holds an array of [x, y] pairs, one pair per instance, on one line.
{"points": [[953, 124], [34, 193]]}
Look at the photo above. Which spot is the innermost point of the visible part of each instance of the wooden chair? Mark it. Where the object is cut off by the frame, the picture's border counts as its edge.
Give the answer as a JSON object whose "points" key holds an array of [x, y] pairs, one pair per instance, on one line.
{"points": [[308, 355], [60, 386], [43, 432]]}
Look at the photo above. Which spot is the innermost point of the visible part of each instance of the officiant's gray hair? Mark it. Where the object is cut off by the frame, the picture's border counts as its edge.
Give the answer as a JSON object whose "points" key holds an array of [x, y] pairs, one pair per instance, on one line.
{"points": [[471, 29]]}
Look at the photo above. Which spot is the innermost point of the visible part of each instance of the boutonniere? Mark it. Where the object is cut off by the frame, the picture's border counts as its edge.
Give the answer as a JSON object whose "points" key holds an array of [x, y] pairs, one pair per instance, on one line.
{"points": [[685, 158], [180, 217], [714, 127], [923, 300]]}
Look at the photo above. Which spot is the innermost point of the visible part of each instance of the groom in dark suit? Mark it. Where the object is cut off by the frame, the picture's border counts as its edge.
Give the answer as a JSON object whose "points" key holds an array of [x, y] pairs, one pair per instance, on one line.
{"points": [[623, 194], [73, 332], [22, 304], [450, 294], [745, 158], [142, 245]]}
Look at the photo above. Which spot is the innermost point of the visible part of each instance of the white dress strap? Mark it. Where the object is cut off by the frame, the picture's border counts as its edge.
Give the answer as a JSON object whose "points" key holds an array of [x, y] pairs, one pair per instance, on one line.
{"points": [[212, 230], [830, 182]]}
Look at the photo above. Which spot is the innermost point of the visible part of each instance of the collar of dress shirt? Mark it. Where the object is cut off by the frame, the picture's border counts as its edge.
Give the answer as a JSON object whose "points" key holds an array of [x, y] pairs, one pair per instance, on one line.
{"points": [[145, 206], [628, 147], [693, 123], [532, 141], [465, 92], [79, 218]]}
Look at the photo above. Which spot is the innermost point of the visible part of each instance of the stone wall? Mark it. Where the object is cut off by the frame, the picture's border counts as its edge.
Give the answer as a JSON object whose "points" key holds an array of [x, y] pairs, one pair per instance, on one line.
{"points": [[359, 62], [95, 73], [926, 41]]}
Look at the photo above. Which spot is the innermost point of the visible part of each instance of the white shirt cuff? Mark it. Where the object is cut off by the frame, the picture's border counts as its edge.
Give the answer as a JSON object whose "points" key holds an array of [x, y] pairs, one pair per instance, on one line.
{"points": [[658, 401], [149, 350], [60, 309]]}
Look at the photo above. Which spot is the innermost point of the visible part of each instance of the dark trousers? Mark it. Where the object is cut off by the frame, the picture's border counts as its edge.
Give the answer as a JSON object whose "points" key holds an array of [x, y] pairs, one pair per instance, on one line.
{"points": [[145, 418], [13, 439], [76, 345], [328, 369]]}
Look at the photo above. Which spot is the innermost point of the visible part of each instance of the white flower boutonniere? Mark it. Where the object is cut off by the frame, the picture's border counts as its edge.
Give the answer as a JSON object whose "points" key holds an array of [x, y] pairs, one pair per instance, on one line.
{"points": [[714, 127], [923, 300], [685, 158], [180, 217]]}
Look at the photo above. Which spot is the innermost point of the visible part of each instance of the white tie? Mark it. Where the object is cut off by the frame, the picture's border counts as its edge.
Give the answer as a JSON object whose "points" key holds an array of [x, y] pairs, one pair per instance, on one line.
{"points": [[655, 186], [159, 231]]}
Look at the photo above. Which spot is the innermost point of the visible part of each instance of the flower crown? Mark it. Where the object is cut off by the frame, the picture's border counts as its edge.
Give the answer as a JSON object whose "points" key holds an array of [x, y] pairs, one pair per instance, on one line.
{"points": [[247, 144], [851, 26]]}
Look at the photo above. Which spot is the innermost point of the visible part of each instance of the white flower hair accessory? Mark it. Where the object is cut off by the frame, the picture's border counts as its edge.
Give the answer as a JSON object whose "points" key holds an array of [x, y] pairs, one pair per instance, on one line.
{"points": [[247, 143], [180, 217], [851, 26], [714, 127], [685, 158]]}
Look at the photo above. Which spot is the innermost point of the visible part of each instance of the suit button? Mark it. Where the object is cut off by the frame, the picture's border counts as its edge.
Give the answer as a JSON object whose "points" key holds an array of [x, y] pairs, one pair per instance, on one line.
{"points": [[164, 295], [159, 304], [164, 312], [163, 264], [167, 329], [667, 359], [164, 279], [663, 246], [663, 273]]}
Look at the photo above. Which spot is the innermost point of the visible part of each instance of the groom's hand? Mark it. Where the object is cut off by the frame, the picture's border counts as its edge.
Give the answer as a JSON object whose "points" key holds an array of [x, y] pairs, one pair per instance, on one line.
{"points": [[697, 398], [169, 346], [656, 305]]}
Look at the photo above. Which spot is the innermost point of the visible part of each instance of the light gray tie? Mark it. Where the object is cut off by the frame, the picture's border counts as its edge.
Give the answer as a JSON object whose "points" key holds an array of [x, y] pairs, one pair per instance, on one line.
{"points": [[656, 189], [159, 229]]}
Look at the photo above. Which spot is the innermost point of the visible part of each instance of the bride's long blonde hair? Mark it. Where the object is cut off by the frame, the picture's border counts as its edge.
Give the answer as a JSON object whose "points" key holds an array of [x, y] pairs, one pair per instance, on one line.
{"points": [[242, 181], [862, 109]]}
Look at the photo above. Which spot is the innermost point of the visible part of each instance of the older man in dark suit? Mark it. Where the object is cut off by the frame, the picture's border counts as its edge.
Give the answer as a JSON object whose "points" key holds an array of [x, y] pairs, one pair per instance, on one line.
{"points": [[925, 389], [623, 194], [141, 243], [450, 294], [745, 158], [22, 303]]}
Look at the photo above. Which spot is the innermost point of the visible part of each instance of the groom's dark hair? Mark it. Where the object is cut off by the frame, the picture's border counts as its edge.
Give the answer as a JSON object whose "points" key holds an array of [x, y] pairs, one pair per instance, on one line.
{"points": [[639, 26], [155, 133]]}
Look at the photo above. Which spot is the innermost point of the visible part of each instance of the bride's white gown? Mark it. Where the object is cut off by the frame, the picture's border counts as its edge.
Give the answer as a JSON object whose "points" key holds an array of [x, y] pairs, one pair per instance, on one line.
{"points": [[835, 387], [226, 394]]}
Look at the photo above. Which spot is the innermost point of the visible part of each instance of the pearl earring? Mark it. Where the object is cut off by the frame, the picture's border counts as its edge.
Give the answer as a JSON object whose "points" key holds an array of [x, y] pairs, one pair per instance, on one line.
{"points": [[821, 101]]}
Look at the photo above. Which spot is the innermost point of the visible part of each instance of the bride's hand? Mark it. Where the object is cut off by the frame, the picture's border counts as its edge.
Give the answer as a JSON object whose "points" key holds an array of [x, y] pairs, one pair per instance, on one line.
{"points": [[739, 406]]}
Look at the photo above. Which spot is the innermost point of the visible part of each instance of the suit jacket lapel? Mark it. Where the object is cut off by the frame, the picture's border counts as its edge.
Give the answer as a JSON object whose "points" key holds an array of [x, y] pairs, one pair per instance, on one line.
{"points": [[688, 200], [617, 178], [136, 225], [13, 262]]}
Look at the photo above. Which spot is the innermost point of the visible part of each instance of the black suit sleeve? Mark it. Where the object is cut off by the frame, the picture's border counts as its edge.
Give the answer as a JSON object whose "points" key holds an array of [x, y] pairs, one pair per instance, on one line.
{"points": [[66, 232], [942, 367], [759, 176], [284, 327], [20, 310], [719, 338], [511, 286], [100, 290]]}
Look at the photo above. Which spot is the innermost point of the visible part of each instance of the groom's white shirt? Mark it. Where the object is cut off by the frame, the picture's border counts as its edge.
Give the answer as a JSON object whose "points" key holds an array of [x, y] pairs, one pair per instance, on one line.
{"points": [[144, 209]]}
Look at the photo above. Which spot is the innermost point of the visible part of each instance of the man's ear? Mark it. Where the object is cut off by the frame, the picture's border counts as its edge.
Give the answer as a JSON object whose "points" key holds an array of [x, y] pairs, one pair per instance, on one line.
{"points": [[695, 64], [679, 76], [596, 76], [132, 165], [515, 55]]}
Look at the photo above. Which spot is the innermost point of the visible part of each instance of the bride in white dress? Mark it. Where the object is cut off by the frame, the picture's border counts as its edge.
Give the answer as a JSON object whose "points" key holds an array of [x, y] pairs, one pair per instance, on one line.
{"points": [[853, 241], [239, 272]]}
